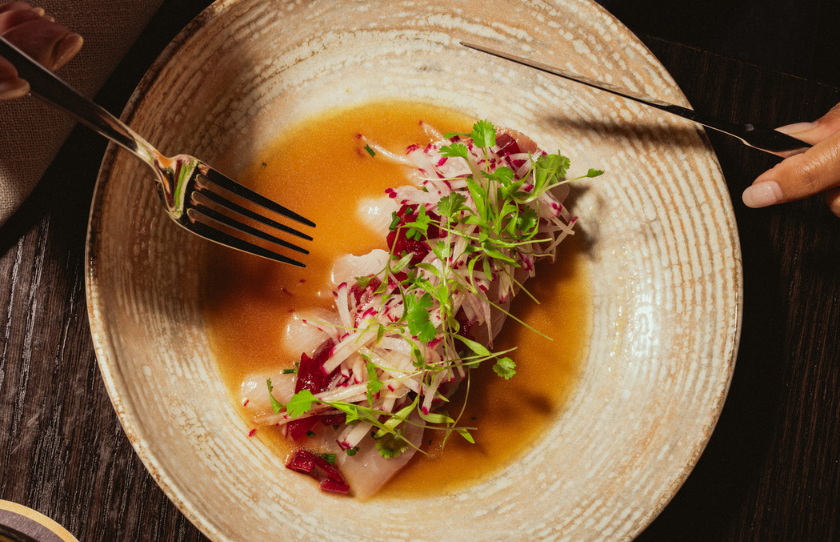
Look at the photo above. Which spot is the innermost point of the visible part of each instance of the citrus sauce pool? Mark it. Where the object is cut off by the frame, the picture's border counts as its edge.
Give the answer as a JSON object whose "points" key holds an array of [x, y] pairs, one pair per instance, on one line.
{"points": [[321, 170]]}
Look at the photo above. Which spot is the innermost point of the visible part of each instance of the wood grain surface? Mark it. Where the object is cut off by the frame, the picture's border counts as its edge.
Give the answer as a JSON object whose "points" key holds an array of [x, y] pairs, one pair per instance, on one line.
{"points": [[771, 470]]}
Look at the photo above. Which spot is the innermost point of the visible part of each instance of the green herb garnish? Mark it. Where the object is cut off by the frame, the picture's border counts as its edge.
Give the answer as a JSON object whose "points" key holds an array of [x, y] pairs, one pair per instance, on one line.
{"points": [[276, 405], [329, 458], [494, 214]]}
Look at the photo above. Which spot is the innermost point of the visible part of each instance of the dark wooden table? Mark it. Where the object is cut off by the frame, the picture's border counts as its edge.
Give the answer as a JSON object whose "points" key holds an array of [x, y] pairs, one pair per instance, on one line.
{"points": [[770, 472]]}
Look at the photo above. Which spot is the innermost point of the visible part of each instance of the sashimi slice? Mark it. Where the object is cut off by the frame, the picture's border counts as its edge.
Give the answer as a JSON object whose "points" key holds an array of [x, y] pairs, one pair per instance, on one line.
{"points": [[307, 330], [254, 391], [376, 213], [347, 268], [366, 471]]}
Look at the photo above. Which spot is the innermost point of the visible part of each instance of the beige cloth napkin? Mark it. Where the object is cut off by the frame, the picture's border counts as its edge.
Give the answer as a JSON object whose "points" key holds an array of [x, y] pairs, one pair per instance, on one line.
{"points": [[31, 132]]}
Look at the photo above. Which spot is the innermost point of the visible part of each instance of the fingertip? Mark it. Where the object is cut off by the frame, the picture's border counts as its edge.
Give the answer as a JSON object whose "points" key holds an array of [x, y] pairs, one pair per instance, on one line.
{"points": [[762, 194], [792, 129], [13, 88], [816, 131], [832, 198], [66, 49]]}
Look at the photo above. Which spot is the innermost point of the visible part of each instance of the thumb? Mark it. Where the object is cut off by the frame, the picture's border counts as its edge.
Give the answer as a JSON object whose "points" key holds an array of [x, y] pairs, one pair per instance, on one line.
{"points": [[799, 176], [802, 175]]}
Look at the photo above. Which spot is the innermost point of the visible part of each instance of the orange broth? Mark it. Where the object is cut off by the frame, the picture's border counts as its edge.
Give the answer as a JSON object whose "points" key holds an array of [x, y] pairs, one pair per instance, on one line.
{"points": [[320, 169]]}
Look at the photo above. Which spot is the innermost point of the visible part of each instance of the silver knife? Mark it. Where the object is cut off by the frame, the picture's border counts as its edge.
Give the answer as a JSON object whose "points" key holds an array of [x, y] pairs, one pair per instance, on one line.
{"points": [[765, 139]]}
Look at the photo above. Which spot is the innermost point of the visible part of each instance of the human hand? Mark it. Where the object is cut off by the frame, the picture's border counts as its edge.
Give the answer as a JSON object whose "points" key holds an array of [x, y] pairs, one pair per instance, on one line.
{"points": [[39, 36], [802, 175]]}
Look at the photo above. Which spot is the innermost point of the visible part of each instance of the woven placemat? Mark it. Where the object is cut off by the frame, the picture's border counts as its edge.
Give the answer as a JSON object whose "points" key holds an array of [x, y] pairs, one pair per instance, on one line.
{"points": [[31, 132]]}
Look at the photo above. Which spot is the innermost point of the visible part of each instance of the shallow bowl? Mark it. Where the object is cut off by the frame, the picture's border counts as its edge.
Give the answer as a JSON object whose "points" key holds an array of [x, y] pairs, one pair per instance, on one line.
{"points": [[662, 252]]}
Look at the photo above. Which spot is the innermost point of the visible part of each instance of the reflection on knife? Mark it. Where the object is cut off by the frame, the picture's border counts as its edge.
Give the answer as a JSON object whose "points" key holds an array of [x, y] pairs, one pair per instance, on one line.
{"points": [[765, 139]]}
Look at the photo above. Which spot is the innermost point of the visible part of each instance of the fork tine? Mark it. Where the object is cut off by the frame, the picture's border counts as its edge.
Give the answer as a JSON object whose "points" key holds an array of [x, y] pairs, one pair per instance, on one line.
{"points": [[232, 186], [211, 233], [209, 194], [244, 228]]}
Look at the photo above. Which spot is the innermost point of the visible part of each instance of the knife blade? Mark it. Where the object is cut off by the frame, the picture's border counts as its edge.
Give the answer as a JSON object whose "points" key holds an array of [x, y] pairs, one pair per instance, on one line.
{"points": [[761, 138]]}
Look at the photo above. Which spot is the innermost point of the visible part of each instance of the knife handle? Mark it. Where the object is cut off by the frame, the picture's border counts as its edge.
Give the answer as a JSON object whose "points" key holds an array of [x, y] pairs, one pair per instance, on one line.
{"points": [[761, 138]]}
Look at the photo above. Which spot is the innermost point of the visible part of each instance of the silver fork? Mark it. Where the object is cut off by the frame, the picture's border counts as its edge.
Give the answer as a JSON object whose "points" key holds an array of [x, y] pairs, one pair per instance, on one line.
{"points": [[185, 184]]}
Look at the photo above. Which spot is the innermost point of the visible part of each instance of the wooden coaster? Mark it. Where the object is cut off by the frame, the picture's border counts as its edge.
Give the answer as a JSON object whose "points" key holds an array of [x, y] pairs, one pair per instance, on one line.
{"points": [[21, 524]]}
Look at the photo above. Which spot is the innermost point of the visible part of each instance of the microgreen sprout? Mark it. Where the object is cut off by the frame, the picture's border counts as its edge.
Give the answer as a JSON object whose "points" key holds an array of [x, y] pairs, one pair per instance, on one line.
{"points": [[454, 263]]}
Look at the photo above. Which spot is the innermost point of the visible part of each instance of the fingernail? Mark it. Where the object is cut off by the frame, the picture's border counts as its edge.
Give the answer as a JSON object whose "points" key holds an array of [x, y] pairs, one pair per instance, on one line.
{"points": [[762, 194], [66, 48], [13, 88], [798, 127]]}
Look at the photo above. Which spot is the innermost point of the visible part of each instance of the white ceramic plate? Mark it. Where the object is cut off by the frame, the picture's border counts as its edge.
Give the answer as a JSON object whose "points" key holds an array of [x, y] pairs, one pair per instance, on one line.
{"points": [[664, 258]]}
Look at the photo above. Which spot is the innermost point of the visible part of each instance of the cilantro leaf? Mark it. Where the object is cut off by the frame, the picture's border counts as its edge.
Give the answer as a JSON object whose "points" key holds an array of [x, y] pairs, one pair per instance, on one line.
{"points": [[548, 169], [419, 228], [503, 175], [451, 204], [417, 316], [373, 384], [455, 150], [363, 282], [300, 403], [352, 411], [441, 250], [276, 405], [594, 173], [484, 134], [527, 220], [505, 367]]}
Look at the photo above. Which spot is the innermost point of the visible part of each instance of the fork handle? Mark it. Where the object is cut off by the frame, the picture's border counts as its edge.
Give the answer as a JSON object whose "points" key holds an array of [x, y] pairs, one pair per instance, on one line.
{"points": [[47, 86]]}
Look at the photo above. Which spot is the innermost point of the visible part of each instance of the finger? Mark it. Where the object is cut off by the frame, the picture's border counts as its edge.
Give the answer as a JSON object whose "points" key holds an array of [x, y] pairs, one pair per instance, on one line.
{"points": [[15, 17], [819, 130], [38, 39], [13, 6], [832, 198], [797, 177], [12, 88], [66, 49]]}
